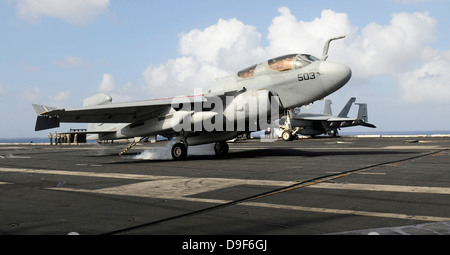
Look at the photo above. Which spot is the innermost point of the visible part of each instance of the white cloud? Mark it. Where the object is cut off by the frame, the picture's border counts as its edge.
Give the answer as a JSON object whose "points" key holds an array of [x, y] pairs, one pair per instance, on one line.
{"points": [[429, 83], [80, 12], [216, 51], [393, 48], [107, 83], [288, 35], [214, 44]]}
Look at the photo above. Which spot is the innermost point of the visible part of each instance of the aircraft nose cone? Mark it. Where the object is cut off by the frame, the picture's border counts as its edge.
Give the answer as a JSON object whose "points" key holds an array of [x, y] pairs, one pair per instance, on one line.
{"points": [[334, 75]]}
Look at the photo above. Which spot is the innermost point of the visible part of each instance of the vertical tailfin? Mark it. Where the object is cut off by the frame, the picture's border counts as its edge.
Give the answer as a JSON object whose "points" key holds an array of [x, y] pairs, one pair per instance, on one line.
{"points": [[362, 113], [346, 109], [327, 107]]}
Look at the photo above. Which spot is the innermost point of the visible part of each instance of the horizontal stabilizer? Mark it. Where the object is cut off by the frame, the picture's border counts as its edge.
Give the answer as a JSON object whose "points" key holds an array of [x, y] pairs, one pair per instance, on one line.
{"points": [[365, 124], [46, 122], [369, 125]]}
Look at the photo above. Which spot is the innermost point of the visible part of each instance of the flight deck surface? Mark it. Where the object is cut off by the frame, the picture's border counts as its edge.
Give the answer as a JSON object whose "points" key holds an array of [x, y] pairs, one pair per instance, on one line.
{"points": [[308, 186]]}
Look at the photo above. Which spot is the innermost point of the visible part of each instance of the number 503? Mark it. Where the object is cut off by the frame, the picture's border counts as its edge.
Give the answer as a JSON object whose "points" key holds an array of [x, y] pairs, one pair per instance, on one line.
{"points": [[306, 76]]}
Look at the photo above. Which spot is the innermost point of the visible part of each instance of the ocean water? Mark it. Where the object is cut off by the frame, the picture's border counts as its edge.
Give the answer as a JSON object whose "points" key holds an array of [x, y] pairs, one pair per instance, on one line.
{"points": [[24, 140], [342, 133]]}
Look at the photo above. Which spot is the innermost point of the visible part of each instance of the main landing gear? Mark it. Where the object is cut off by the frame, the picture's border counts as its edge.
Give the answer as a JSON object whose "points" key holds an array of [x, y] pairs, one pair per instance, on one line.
{"points": [[179, 150], [221, 148]]}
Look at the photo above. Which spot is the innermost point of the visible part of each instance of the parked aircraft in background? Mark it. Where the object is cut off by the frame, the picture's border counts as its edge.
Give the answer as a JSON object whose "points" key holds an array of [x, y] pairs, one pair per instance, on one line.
{"points": [[312, 124], [245, 102]]}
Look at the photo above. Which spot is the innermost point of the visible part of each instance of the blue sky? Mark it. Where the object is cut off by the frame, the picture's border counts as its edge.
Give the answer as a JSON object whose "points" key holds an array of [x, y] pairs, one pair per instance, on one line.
{"points": [[57, 52]]}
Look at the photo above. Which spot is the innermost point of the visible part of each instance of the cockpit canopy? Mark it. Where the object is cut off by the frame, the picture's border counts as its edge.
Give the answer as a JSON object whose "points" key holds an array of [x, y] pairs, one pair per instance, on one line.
{"points": [[281, 64]]}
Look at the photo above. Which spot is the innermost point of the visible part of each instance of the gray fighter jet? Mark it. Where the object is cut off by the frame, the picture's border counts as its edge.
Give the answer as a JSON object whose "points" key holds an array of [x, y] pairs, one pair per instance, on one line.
{"points": [[246, 102], [312, 124]]}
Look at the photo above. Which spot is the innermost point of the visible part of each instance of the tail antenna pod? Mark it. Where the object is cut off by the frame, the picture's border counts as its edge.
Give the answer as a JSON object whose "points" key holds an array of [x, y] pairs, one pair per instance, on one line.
{"points": [[327, 45]]}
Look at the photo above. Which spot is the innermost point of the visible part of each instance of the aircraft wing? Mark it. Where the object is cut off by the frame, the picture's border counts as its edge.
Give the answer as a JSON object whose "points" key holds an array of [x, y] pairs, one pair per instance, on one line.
{"points": [[324, 118], [318, 118], [337, 119], [312, 116], [130, 112]]}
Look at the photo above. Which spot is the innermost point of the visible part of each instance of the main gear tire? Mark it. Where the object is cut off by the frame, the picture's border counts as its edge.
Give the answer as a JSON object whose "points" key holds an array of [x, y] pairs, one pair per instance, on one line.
{"points": [[179, 151], [221, 148]]}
